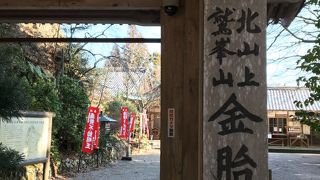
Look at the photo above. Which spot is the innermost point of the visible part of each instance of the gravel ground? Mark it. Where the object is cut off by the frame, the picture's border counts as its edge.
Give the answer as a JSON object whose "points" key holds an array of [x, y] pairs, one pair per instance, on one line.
{"points": [[292, 166], [144, 166]]}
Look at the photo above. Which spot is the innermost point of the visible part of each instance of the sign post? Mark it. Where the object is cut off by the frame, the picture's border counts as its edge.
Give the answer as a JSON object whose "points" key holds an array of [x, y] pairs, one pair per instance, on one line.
{"points": [[30, 134], [234, 101]]}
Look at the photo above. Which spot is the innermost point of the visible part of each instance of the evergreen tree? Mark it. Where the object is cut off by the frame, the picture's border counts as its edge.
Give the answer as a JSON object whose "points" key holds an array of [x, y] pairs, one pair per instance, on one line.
{"points": [[13, 89]]}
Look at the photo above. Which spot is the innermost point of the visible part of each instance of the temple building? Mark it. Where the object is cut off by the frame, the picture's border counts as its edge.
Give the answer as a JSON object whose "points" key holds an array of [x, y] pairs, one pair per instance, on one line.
{"points": [[283, 127]]}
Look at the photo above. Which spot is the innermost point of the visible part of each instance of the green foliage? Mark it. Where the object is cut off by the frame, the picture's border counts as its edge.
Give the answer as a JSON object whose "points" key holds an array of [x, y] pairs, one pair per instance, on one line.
{"points": [[10, 162], [13, 96], [113, 107], [36, 71], [45, 97], [69, 102], [26, 86], [69, 126], [310, 64], [309, 118], [5, 30], [314, 2], [18, 77], [54, 154], [76, 62]]}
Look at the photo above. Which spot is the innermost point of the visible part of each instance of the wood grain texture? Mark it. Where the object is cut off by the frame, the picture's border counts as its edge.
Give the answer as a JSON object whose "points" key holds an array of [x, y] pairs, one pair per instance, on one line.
{"points": [[201, 59], [81, 4], [47, 164], [246, 100], [172, 68], [139, 17], [181, 86], [192, 98]]}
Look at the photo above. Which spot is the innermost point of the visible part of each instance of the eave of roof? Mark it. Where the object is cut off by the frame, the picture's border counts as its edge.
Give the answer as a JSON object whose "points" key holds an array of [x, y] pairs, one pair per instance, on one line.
{"points": [[282, 99], [283, 11]]}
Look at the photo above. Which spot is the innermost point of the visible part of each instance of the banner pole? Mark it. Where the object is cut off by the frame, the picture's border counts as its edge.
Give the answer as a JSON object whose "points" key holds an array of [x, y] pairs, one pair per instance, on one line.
{"points": [[80, 159], [97, 158], [127, 157]]}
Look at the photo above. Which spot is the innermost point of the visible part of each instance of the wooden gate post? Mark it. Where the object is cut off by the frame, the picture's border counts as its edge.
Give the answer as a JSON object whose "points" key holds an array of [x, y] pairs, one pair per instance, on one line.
{"points": [[181, 88]]}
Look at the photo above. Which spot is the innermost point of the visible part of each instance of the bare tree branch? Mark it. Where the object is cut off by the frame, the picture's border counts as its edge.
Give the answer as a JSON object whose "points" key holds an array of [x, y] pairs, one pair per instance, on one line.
{"points": [[95, 65], [275, 39], [299, 38], [307, 20]]}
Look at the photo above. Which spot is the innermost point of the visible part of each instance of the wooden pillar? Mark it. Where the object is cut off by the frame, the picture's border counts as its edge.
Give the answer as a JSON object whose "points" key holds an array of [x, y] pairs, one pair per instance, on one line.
{"points": [[234, 101], [172, 57], [191, 125], [180, 89], [46, 165]]}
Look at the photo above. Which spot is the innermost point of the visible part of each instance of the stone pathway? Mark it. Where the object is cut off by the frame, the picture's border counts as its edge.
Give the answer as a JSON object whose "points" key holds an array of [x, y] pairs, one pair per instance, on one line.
{"points": [[144, 166], [294, 166]]}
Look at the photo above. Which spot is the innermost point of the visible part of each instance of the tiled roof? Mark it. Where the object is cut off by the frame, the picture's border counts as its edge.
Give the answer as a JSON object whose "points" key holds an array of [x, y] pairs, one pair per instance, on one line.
{"points": [[282, 98]]}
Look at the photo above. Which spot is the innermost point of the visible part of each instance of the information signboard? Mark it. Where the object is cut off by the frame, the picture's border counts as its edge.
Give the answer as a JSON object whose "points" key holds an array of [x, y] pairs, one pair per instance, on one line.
{"points": [[27, 135]]}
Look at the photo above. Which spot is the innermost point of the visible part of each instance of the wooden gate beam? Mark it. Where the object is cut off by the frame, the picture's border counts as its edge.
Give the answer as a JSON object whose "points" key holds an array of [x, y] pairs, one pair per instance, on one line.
{"points": [[80, 4], [139, 17], [80, 40], [140, 12]]}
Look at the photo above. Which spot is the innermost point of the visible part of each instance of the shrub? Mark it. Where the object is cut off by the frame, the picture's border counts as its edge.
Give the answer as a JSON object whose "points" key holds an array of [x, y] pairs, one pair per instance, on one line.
{"points": [[113, 107], [70, 124], [10, 160]]}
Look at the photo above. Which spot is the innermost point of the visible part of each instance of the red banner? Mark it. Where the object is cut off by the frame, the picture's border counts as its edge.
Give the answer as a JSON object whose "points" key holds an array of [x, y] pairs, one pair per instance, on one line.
{"points": [[91, 132], [124, 122], [96, 130], [132, 118], [144, 129], [140, 125]]}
